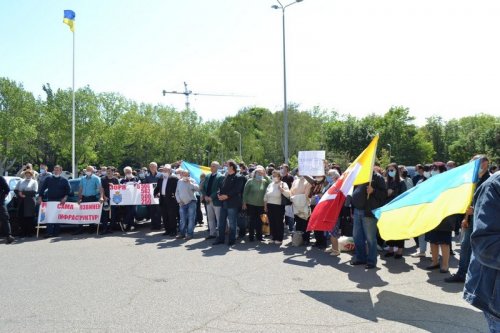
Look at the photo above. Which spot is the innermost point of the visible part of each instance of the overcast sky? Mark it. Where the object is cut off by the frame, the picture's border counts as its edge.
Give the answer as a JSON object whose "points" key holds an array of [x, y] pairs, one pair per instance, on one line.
{"points": [[357, 56]]}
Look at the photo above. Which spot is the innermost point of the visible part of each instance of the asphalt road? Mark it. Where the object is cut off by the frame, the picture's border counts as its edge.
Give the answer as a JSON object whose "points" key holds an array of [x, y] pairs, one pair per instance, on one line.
{"points": [[143, 282]]}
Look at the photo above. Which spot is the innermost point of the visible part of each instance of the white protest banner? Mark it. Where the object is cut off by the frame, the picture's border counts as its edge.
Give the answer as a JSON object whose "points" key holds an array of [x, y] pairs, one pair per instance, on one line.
{"points": [[311, 163], [132, 194], [70, 213]]}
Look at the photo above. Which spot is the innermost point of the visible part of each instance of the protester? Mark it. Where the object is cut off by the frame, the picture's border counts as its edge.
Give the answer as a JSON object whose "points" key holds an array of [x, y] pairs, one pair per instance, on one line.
{"points": [[332, 176], [230, 196], [4, 214], [365, 198], [28, 166], [108, 223], [26, 191], [129, 218], [467, 226], [403, 174], [90, 190], [450, 165], [58, 189], [153, 210], [317, 190], [186, 198], [165, 190], [419, 168], [482, 285], [440, 237], [44, 174], [299, 195], [274, 206], [395, 186], [253, 202], [201, 198], [288, 179], [210, 188]]}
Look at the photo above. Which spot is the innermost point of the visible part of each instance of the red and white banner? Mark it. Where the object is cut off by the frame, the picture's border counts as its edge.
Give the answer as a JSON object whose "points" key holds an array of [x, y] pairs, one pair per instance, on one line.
{"points": [[70, 213], [132, 194]]}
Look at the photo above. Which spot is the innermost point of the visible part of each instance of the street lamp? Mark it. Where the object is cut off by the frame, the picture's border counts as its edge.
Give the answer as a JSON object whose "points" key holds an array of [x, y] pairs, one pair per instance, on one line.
{"points": [[241, 157], [285, 107], [390, 152]]}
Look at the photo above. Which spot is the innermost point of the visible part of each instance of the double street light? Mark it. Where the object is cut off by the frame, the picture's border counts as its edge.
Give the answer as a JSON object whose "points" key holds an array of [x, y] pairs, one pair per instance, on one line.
{"points": [[285, 107]]}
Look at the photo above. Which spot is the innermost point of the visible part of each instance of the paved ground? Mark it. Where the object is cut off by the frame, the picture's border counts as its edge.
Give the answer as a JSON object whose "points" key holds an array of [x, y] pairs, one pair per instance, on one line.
{"points": [[142, 282]]}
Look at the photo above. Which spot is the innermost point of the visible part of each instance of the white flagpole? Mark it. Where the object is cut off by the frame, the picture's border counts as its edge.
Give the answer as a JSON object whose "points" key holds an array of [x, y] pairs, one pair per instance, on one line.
{"points": [[73, 166]]}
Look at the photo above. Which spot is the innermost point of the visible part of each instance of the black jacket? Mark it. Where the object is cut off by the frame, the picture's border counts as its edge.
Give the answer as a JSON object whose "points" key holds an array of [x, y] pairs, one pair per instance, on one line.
{"points": [[4, 190], [57, 188], [232, 186], [169, 196], [360, 199]]}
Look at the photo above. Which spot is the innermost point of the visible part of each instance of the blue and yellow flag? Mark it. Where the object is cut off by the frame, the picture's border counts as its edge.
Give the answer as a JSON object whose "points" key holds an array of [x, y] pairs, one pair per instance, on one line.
{"points": [[195, 170], [424, 206], [69, 19]]}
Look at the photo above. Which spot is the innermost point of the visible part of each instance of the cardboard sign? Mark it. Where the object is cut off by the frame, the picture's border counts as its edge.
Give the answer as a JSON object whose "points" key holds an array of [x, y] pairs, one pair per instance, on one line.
{"points": [[311, 163]]}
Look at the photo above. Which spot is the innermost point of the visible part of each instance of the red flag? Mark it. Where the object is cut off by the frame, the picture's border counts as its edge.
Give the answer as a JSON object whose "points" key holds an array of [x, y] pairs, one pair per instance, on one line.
{"points": [[327, 211]]}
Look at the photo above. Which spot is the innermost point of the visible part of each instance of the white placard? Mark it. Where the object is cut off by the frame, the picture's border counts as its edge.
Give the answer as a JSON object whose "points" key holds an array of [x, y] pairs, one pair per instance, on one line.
{"points": [[70, 213], [132, 194], [311, 163]]}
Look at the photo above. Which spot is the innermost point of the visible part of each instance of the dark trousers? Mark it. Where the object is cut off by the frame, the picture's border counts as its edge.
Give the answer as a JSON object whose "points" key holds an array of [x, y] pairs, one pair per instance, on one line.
{"points": [[400, 244], [155, 215], [4, 220], [276, 214], [199, 213], [107, 222], [27, 226], [169, 213], [301, 225], [254, 222]]}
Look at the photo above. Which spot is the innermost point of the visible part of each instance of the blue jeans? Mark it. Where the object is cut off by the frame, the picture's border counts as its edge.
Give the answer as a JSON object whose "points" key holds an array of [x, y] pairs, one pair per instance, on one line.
{"points": [[289, 222], [365, 230], [493, 322], [422, 244], [465, 253], [226, 214], [187, 218]]}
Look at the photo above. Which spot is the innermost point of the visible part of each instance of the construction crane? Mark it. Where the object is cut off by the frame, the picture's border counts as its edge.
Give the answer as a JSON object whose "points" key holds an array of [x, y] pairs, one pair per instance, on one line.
{"points": [[188, 92]]}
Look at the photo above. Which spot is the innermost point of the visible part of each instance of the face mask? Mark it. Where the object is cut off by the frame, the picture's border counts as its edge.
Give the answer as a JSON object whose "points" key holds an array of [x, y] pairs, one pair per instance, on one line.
{"points": [[392, 173], [185, 178], [427, 174], [282, 173], [129, 176], [88, 173], [166, 174], [434, 172], [276, 179], [329, 179], [258, 177], [28, 178], [42, 171], [142, 176]]}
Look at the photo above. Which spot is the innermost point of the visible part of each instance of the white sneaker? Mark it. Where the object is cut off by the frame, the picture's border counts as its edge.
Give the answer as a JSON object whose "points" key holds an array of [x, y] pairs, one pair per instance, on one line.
{"points": [[418, 255], [329, 250]]}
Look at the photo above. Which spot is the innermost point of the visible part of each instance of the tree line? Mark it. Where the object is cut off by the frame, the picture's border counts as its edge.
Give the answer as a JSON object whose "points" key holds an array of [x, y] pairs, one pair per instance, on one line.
{"points": [[113, 130]]}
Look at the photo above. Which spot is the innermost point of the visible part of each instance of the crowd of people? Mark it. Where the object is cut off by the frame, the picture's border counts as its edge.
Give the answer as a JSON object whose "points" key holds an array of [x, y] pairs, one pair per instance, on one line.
{"points": [[239, 200]]}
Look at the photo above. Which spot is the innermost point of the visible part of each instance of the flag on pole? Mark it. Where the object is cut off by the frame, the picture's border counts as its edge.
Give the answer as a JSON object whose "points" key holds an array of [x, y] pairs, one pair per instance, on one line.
{"points": [[69, 19], [327, 211], [424, 206]]}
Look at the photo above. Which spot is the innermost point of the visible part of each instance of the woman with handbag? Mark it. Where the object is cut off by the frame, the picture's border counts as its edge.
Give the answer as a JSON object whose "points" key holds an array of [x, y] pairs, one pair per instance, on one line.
{"points": [[440, 237], [26, 190], [276, 198]]}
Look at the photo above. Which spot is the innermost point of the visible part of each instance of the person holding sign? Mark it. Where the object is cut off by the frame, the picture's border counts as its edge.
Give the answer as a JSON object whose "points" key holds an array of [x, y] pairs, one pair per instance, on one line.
{"points": [[185, 196], [165, 190], [58, 189], [129, 219], [106, 181], [90, 191]]}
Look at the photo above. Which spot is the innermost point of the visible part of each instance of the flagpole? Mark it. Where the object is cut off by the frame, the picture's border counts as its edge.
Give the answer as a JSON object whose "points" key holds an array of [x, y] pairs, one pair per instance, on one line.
{"points": [[73, 117]]}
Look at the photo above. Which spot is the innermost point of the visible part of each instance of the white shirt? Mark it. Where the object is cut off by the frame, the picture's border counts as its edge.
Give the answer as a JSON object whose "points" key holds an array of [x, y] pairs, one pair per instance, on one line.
{"points": [[164, 186]]}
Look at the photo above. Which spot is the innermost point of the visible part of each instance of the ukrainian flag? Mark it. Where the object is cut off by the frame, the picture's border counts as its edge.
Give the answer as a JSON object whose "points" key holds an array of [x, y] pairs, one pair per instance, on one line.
{"points": [[69, 19], [195, 170], [424, 206]]}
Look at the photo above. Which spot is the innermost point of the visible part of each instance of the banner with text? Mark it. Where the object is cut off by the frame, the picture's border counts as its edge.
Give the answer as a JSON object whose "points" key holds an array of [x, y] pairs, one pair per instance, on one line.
{"points": [[311, 163], [132, 194], [70, 213]]}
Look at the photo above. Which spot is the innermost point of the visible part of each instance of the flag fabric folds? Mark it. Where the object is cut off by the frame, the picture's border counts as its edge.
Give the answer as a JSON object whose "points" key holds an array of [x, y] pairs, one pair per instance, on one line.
{"points": [[327, 211], [195, 170], [424, 206], [69, 19]]}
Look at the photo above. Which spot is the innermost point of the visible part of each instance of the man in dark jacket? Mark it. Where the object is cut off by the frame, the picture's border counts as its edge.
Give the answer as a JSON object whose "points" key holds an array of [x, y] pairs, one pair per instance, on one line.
{"points": [[58, 189], [210, 188], [365, 198], [165, 190], [154, 210], [4, 214], [482, 286], [230, 195]]}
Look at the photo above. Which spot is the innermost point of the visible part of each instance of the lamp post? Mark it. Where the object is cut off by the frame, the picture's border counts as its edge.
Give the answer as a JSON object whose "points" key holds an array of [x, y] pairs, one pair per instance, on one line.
{"points": [[241, 156], [285, 107], [390, 152]]}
